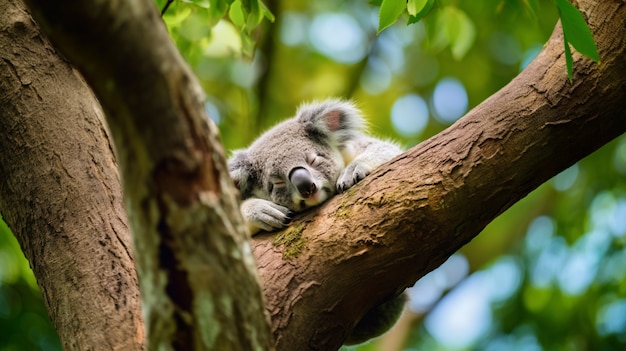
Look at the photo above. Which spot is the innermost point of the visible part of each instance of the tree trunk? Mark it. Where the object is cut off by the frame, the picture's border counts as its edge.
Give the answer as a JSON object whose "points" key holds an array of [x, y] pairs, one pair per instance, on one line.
{"points": [[199, 284], [60, 192], [414, 212]]}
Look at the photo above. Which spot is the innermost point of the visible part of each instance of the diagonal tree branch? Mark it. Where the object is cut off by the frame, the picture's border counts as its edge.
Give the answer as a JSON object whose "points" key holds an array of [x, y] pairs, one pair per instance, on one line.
{"points": [[414, 212]]}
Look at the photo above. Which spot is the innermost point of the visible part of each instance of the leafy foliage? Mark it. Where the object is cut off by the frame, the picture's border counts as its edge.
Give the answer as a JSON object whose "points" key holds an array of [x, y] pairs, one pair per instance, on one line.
{"points": [[577, 33], [390, 10], [196, 21], [449, 27], [454, 28]]}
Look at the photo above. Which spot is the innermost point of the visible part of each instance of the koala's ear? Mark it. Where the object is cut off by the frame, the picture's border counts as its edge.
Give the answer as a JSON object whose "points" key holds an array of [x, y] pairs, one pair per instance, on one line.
{"points": [[240, 169], [337, 120]]}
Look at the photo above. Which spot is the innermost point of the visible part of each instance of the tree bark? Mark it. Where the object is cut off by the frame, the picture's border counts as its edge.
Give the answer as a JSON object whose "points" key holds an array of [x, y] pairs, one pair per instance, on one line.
{"points": [[334, 263], [199, 284], [414, 212], [60, 192]]}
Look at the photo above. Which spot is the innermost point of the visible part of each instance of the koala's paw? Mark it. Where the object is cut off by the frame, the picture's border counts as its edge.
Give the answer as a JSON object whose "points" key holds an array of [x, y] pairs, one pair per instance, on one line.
{"points": [[351, 175], [265, 215]]}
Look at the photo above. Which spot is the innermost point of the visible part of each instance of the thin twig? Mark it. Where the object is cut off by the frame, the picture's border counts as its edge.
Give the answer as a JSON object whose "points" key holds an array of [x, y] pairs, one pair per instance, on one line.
{"points": [[167, 5]]}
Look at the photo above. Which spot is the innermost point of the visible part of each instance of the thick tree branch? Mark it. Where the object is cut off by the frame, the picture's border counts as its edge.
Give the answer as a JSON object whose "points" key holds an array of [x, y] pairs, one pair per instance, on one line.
{"points": [[199, 284], [60, 192], [413, 213]]}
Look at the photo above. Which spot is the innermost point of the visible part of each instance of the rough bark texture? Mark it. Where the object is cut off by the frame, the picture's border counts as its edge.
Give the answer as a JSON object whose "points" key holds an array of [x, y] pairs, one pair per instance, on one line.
{"points": [[413, 213], [329, 267], [60, 192], [199, 283]]}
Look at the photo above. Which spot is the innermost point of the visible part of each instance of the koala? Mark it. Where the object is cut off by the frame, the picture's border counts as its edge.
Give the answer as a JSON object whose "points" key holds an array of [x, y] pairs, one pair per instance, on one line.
{"points": [[303, 161]]}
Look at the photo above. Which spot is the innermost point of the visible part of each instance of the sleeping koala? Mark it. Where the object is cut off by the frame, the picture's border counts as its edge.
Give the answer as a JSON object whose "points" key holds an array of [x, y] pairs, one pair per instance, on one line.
{"points": [[304, 161], [301, 163]]}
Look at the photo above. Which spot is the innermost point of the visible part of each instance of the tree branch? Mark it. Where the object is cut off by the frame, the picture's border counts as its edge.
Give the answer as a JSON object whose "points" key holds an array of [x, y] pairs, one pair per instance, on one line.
{"points": [[199, 285], [414, 212], [60, 192]]}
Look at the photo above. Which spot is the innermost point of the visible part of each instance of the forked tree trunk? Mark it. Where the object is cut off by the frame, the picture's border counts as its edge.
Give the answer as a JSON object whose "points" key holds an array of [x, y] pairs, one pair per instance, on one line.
{"points": [[199, 284], [339, 260], [60, 192]]}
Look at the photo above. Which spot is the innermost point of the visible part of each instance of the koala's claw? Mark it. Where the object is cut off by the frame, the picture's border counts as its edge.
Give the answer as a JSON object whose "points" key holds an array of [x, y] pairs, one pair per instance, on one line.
{"points": [[288, 218], [354, 173], [265, 215]]}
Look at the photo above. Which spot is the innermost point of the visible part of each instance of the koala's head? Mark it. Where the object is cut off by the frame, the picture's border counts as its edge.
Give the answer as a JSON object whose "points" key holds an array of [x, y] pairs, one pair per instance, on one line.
{"points": [[297, 162]]}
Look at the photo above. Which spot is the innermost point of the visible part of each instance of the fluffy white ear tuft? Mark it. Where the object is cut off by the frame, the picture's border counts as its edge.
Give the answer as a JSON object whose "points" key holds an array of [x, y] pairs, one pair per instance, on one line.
{"points": [[240, 169], [335, 119]]}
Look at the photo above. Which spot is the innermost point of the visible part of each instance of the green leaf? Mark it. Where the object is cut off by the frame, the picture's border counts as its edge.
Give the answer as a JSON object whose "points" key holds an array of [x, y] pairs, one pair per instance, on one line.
{"points": [[460, 31], [436, 34], [415, 6], [195, 27], [414, 18], [202, 3], [532, 6], [237, 15], [258, 11], [247, 45], [576, 30], [450, 26], [266, 12], [175, 18], [569, 61], [217, 9], [389, 12], [246, 5], [254, 15], [225, 41]]}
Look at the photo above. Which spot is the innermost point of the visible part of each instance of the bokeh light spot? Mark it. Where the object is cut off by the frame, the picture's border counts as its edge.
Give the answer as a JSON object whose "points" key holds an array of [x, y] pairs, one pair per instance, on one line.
{"points": [[505, 48], [293, 29], [449, 100], [377, 76], [409, 115], [339, 37], [565, 179]]}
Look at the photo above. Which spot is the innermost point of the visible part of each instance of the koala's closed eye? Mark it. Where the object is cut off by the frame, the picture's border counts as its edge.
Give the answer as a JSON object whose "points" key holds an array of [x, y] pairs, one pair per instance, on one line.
{"points": [[276, 182], [313, 159]]}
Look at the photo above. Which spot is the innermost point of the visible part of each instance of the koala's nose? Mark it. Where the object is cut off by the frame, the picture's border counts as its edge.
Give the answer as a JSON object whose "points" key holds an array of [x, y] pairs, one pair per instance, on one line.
{"points": [[302, 180]]}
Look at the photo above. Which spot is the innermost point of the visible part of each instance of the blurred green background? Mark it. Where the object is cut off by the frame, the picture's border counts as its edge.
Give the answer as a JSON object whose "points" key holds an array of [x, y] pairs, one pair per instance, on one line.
{"points": [[549, 274]]}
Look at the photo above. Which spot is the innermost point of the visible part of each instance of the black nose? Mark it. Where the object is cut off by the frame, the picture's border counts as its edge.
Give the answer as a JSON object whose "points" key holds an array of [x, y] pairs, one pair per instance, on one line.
{"points": [[302, 180]]}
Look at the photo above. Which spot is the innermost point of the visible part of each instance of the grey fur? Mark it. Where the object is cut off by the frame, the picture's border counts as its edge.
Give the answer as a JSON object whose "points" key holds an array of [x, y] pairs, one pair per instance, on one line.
{"points": [[301, 163], [325, 140]]}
